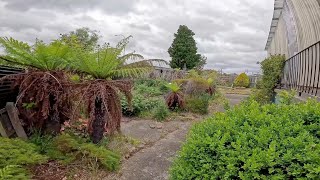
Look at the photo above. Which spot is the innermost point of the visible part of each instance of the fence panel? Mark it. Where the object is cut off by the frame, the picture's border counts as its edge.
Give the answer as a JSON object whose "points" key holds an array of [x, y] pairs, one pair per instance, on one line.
{"points": [[302, 71]]}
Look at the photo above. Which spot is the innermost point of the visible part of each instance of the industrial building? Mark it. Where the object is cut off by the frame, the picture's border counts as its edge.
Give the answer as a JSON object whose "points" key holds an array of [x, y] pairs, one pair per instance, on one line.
{"points": [[295, 26], [295, 33]]}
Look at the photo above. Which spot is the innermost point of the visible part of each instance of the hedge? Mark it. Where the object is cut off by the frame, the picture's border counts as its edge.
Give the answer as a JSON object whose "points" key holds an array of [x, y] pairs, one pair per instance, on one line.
{"points": [[253, 142]]}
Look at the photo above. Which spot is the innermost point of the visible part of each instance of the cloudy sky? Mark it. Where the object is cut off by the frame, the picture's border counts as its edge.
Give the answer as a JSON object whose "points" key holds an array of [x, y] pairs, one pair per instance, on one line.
{"points": [[231, 33]]}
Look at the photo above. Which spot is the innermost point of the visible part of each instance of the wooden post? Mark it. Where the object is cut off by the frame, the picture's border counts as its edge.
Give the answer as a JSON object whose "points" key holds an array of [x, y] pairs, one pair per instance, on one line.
{"points": [[3, 131], [13, 115]]}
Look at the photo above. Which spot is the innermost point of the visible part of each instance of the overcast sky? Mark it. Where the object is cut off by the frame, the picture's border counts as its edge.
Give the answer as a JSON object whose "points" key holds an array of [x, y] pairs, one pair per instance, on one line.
{"points": [[231, 33]]}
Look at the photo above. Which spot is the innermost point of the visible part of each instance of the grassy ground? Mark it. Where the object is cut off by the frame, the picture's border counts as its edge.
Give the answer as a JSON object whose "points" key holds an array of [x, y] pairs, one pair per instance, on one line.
{"points": [[240, 91]]}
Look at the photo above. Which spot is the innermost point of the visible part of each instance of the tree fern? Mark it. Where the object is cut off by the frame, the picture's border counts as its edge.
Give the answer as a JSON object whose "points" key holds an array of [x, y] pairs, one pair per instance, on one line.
{"points": [[52, 56], [108, 62]]}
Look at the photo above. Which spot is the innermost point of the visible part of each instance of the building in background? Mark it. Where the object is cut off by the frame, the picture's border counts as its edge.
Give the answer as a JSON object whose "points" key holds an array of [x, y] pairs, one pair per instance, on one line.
{"points": [[295, 26]]}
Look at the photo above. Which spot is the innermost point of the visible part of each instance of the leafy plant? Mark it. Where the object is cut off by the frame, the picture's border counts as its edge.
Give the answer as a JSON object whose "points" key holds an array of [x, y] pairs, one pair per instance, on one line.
{"points": [[105, 64], [161, 112], [173, 87], [287, 97], [272, 69], [15, 155], [43, 85], [242, 81], [254, 142], [12, 172], [139, 104], [198, 104], [175, 98], [148, 91], [18, 152]]}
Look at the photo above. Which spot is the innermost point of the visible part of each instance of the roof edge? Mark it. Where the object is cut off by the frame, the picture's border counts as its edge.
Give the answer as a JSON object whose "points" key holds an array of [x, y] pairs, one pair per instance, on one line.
{"points": [[277, 11]]}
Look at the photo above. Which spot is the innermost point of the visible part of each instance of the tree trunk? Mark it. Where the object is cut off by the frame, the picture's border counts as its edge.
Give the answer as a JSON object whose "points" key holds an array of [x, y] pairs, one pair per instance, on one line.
{"points": [[99, 122], [53, 124]]}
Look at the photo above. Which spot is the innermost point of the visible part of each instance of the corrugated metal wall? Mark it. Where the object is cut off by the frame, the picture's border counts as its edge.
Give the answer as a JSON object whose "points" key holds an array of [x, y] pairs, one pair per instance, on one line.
{"points": [[306, 15], [7, 93], [279, 44]]}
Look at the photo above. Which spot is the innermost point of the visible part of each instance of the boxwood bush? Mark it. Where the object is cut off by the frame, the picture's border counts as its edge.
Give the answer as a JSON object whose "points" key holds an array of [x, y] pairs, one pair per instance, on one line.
{"points": [[254, 142]]}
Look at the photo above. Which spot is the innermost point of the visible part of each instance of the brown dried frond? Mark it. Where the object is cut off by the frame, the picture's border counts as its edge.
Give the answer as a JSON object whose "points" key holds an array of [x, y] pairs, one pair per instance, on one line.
{"points": [[175, 100], [107, 91], [42, 96]]}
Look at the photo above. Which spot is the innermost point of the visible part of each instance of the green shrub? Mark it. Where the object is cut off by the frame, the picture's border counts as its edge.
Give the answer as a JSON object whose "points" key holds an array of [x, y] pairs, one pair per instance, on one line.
{"points": [[139, 104], [67, 148], [155, 83], [254, 142], [148, 91], [198, 104], [272, 69], [287, 97], [15, 154], [18, 152], [42, 142], [161, 112], [12, 172], [106, 158], [242, 81]]}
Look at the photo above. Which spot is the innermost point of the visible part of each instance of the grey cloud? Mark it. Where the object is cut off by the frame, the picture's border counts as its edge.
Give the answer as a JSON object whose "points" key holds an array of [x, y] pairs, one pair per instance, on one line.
{"points": [[70, 6], [230, 33]]}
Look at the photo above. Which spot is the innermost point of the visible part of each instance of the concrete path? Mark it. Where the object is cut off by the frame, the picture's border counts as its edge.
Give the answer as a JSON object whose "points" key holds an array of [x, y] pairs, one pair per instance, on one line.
{"points": [[162, 140]]}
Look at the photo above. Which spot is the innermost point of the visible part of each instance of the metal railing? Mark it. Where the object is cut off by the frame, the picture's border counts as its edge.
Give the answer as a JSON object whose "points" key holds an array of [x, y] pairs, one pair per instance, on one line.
{"points": [[302, 71]]}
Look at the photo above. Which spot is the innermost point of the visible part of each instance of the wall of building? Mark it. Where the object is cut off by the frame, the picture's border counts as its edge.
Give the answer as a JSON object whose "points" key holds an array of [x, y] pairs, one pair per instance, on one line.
{"points": [[298, 27]]}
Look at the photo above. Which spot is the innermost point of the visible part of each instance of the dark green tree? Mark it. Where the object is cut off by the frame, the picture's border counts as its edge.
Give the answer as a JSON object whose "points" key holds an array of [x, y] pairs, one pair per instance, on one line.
{"points": [[86, 37], [183, 50]]}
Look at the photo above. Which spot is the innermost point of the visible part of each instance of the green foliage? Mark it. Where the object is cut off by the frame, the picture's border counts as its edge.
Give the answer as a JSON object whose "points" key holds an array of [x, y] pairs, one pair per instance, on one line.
{"points": [[106, 158], [15, 154], [68, 148], [161, 112], [147, 94], [173, 87], [183, 50], [254, 142], [272, 69], [52, 56], [139, 104], [42, 142], [108, 62], [86, 37], [287, 97], [12, 172], [198, 104], [148, 91], [18, 152], [75, 78], [242, 81]]}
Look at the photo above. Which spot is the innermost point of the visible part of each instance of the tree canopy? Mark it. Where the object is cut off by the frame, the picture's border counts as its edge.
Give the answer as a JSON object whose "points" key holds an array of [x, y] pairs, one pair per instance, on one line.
{"points": [[86, 37], [183, 50], [242, 80]]}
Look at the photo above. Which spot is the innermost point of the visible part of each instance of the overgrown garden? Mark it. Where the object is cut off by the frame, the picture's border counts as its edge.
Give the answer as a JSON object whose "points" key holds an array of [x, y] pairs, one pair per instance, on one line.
{"points": [[256, 140], [75, 91]]}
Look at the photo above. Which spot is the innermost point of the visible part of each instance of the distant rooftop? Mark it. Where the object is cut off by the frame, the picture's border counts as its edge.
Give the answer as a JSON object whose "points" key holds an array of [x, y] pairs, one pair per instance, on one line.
{"points": [[159, 63]]}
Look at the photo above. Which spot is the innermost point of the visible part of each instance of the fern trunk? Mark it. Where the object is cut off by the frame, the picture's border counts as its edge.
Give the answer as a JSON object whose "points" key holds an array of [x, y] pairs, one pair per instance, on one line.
{"points": [[53, 124], [98, 122]]}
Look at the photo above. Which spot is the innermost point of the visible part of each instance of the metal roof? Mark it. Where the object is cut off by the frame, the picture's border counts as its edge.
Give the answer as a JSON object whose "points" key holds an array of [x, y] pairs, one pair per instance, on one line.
{"points": [[278, 6]]}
